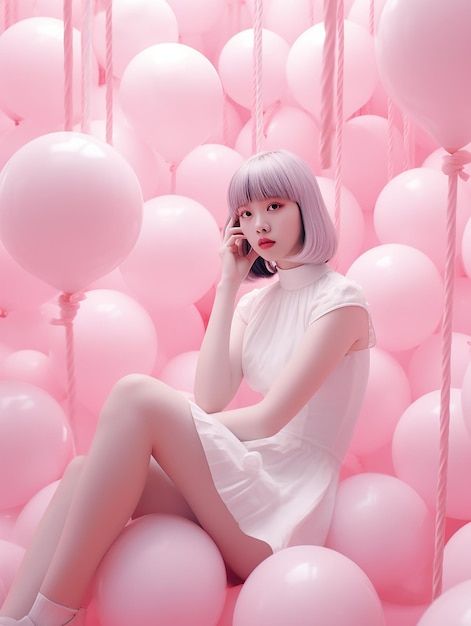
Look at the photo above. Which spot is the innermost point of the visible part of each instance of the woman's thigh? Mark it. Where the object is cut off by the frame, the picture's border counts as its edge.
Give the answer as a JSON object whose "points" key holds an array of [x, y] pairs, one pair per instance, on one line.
{"points": [[184, 478]]}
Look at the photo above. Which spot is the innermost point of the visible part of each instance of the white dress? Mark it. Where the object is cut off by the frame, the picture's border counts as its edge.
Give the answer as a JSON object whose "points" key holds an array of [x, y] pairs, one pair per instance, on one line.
{"points": [[281, 489]]}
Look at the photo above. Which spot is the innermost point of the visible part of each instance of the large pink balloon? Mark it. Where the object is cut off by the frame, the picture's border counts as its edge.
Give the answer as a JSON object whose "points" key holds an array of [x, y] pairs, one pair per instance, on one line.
{"points": [[303, 585], [172, 96], [422, 49], [175, 260], [113, 336], [383, 525], [35, 442], [415, 452], [161, 570], [305, 66], [405, 292], [79, 214], [34, 367], [32, 70]]}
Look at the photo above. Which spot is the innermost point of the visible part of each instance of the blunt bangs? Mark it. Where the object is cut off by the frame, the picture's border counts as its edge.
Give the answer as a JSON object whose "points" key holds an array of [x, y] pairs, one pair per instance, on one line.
{"points": [[282, 174]]}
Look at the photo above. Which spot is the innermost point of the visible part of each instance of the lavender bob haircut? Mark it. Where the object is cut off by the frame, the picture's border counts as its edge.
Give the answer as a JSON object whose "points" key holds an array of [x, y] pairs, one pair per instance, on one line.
{"points": [[282, 174]]}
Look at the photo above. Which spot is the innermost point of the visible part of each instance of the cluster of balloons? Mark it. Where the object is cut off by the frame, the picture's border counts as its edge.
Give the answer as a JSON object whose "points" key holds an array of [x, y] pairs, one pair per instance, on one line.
{"points": [[127, 233]]}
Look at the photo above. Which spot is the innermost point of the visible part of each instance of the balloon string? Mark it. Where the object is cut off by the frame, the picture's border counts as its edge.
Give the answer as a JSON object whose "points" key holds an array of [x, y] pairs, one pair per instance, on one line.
{"points": [[69, 305], [8, 14], [339, 121], [68, 65], [453, 167], [390, 141], [409, 157], [109, 71], [225, 121], [86, 65], [327, 83], [257, 108]]}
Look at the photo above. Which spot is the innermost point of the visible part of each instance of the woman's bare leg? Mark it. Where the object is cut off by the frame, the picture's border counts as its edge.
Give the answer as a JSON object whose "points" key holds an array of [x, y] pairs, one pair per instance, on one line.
{"points": [[142, 417], [39, 554]]}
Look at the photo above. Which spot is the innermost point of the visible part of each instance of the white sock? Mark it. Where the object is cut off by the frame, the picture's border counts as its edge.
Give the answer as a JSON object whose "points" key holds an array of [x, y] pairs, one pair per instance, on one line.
{"points": [[45, 612]]}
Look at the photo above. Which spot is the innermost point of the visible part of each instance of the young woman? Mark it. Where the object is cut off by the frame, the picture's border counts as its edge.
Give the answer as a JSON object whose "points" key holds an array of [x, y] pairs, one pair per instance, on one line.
{"points": [[259, 478]]}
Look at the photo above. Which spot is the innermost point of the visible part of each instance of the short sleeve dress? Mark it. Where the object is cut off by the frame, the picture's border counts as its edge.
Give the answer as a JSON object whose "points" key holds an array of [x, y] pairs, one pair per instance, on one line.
{"points": [[281, 489]]}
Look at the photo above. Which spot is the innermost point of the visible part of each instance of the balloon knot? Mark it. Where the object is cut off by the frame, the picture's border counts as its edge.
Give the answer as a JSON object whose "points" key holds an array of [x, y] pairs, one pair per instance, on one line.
{"points": [[69, 305], [453, 164], [3, 314]]}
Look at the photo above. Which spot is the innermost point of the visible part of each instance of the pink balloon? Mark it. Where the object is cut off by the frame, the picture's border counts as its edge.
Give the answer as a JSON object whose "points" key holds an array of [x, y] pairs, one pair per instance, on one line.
{"points": [[285, 127], [367, 157], [20, 289], [175, 260], [34, 367], [466, 248], [412, 209], [32, 70], [11, 555], [462, 298], [466, 397], [191, 330], [290, 18], [113, 336], [197, 17], [228, 611], [35, 442], [453, 608], [204, 175], [302, 583], [179, 372], [236, 67], [403, 614], [433, 34], [161, 570], [305, 62], [405, 293], [138, 153], [415, 452], [360, 10], [425, 365], [172, 96], [351, 223], [137, 24], [25, 330], [32, 513], [378, 419], [385, 527], [456, 567], [80, 213]]}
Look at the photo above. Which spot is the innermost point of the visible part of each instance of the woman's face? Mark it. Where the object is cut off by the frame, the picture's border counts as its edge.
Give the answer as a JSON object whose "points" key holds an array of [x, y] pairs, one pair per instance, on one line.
{"points": [[273, 228]]}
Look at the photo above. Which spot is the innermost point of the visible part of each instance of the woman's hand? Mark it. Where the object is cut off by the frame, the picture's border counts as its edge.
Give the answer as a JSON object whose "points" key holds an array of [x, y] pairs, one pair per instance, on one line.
{"points": [[235, 264]]}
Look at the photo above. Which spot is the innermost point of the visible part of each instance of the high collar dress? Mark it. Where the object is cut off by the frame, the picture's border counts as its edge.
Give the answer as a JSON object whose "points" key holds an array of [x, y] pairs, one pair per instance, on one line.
{"points": [[281, 489]]}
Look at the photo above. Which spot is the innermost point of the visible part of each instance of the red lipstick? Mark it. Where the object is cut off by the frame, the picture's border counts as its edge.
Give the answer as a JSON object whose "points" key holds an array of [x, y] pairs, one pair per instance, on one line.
{"points": [[265, 243]]}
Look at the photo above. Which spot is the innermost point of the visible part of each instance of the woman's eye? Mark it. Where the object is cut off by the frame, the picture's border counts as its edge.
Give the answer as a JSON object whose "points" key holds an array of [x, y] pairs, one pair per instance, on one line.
{"points": [[273, 206], [243, 214]]}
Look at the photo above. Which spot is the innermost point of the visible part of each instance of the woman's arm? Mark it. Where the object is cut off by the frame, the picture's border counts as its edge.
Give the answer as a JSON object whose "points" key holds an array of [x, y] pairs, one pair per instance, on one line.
{"points": [[325, 343], [219, 368]]}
